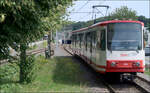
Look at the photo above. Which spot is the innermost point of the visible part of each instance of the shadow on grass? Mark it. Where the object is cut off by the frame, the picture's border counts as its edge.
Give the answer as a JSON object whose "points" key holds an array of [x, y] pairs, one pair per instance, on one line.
{"points": [[67, 71], [74, 71]]}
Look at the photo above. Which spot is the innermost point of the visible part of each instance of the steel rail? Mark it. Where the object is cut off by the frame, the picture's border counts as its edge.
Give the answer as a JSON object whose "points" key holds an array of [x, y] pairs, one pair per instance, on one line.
{"points": [[143, 79], [139, 87], [109, 87], [145, 90], [28, 53]]}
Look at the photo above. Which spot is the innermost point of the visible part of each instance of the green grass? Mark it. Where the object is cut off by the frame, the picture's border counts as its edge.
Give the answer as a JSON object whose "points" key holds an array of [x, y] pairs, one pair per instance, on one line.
{"points": [[59, 74], [147, 71]]}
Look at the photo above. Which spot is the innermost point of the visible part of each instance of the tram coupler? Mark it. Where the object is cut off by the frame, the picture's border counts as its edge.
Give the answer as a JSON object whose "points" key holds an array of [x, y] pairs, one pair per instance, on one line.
{"points": [[127, 77]]}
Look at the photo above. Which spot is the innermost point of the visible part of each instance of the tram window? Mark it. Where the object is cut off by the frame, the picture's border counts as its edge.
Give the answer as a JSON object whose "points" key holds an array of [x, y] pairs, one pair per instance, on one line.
{"points": [[91, 41], [80, 38], [71, 39], [98, 38], [75, 39], [103, 40], [86, 40]]}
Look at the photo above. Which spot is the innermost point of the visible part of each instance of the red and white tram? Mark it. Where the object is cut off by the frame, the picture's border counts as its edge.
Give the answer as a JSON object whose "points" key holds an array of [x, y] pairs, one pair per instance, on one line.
{"points": [[115, 46]]}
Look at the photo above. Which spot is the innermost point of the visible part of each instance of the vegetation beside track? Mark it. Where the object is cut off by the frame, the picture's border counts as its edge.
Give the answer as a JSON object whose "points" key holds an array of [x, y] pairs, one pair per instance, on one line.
{"points": [[57, 74], [147, 71], [32, 47]]}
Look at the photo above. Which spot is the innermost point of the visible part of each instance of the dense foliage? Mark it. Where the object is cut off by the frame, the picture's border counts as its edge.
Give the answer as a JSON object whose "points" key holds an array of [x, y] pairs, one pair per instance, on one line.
{"points": [[123, 13], [23, 21], [145, 20]]}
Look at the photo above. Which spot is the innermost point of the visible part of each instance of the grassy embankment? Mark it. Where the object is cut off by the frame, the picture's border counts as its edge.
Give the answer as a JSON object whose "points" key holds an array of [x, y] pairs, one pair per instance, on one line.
{"points": [[147, 71], [58, 74]]}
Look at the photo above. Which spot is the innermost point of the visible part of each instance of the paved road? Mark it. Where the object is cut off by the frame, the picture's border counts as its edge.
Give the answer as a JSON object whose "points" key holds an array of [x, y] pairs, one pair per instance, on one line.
{"points": [[58, 51]]}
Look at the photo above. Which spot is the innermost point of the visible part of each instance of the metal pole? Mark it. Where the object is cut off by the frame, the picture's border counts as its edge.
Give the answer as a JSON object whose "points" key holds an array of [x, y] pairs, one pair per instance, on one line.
{"points": [[56, 39], [95, 7], [49, 45]]}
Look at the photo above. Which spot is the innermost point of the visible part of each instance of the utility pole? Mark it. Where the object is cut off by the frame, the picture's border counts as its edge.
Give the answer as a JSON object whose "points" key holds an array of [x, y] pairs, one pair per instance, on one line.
{"points": [[48, 53], [56, 38]]}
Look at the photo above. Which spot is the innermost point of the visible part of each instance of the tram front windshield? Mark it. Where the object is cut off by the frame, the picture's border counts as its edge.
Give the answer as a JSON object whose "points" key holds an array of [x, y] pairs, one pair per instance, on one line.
{"points": [[124, 36]]}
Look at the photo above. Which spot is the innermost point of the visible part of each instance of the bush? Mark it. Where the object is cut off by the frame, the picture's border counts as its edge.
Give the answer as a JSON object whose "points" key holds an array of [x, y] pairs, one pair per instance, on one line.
{"points": [[8, 71]]}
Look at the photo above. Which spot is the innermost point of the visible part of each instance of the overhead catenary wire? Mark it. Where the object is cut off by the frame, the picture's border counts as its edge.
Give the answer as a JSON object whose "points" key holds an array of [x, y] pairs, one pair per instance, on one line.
{"points": [[78, 11], [84, 12], [83, 5], [100, 12], [85, 15]]}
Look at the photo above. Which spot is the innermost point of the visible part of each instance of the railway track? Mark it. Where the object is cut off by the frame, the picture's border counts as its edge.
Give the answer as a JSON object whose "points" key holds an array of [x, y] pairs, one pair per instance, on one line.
{"points": [[145, 84], [36, 51], [126, 87], [139, 85], [32, 52]]}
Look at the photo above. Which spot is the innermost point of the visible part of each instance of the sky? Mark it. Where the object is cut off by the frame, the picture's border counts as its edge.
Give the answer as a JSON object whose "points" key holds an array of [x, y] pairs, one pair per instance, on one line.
{"points": [[82, 10]]}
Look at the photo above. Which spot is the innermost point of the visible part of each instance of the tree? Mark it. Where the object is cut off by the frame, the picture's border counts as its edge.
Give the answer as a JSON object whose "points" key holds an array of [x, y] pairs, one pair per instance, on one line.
{"points": [[22, 21], [148, 25], [123, 13], [145, 20]]}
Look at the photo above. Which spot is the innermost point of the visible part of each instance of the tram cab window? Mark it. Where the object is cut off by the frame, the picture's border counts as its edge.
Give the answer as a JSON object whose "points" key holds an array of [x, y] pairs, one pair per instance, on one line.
{"points": [[103, 40], [124, 36]]}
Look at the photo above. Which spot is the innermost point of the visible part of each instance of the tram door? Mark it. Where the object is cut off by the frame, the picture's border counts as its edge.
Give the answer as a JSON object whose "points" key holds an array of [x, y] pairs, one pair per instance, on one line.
{"points": [[88, 52], [103, 47], [93, 46], [98, 34]]}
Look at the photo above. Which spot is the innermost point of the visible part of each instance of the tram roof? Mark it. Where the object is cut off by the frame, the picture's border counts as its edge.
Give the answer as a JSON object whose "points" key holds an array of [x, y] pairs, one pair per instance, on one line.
{"points": [[108, 22]]}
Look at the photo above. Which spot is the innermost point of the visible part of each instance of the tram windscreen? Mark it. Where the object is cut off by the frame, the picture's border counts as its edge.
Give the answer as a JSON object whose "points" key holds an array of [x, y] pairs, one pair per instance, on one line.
{"points": [[124, 36]]}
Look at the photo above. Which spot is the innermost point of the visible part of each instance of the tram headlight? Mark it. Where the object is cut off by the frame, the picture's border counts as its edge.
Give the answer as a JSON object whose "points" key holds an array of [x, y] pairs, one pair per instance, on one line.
{"points": [[137, 64], [113, 64]]}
